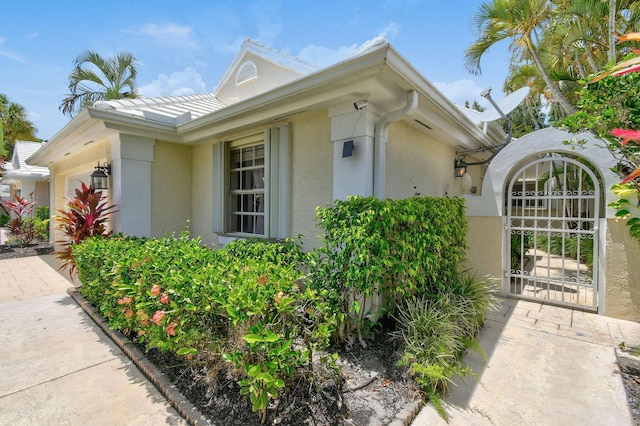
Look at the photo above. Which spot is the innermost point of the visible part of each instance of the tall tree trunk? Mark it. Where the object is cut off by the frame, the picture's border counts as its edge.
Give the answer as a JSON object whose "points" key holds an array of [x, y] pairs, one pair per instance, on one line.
{"points": [[612, 29], [553, 87]]}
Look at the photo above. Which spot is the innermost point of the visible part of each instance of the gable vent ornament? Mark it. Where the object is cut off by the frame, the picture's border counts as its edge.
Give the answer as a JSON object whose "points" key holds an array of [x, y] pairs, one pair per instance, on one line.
{"points": [[502, 109]]}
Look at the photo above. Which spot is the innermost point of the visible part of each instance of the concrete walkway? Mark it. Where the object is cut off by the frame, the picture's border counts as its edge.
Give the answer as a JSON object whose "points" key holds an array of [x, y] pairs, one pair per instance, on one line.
{"points": [[544, 366], [56, 366]]}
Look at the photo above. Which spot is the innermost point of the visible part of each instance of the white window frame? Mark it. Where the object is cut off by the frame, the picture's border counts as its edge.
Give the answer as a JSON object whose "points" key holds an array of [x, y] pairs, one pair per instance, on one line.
{"points": [[260, 219], [277, 177]]}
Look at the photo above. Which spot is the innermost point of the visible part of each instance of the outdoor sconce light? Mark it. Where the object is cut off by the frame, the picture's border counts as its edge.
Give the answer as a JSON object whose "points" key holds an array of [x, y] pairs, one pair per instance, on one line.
{"points": [[460, 167], [99, 177], [347, 149]]}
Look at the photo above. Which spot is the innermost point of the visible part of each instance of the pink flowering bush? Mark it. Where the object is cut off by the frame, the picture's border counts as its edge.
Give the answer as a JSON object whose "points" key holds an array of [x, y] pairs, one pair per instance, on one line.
{"points": [[232, 308]]}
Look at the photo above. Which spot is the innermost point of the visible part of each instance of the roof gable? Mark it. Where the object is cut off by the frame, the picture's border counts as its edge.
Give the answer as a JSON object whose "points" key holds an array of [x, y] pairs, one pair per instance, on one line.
{"points": [[23, 150], [257, 69]]}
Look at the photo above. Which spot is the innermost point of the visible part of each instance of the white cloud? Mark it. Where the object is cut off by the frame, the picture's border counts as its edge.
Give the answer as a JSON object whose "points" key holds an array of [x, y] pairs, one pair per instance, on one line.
{"points": [[460, 91], [268, 20], [170, 35], [32, 35], [179, 83], [391, 30], [14, 56]]}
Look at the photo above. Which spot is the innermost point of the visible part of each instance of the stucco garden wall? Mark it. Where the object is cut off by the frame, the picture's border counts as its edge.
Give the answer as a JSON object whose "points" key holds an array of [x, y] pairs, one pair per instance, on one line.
{"points": [[170, 188], [417, 164], [484, 241], [622, 289], [311, 174]]}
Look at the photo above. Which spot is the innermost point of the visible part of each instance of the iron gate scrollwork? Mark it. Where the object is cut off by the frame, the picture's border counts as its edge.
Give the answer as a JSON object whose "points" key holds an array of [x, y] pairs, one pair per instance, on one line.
{"points": [[552, 211]]}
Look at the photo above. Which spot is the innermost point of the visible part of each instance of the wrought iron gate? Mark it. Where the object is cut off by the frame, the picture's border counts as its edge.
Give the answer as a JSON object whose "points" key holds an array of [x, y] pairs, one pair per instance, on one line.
{"points": [[552, 232]]}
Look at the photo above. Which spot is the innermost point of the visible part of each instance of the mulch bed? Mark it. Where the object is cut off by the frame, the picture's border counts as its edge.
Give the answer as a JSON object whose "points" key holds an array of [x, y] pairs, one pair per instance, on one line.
{"points": [[13, 251]]}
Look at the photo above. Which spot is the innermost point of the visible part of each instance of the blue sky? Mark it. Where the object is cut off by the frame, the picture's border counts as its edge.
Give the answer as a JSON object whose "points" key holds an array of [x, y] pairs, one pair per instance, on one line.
{"points": [[184, 47]]}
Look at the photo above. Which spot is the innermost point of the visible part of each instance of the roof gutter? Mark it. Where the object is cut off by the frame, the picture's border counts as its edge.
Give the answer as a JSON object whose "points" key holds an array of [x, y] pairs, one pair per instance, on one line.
{"points": [[380, 139]]}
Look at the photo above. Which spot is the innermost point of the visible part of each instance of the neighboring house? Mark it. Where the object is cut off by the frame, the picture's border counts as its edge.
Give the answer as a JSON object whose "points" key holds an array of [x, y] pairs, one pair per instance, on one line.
{"points": [[279, 137], [24, 180]]}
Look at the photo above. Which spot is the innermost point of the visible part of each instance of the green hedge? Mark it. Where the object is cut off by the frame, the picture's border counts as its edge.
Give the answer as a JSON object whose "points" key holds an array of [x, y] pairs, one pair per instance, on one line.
{"points": [[398, 247], [253, 312], [268, 310]]}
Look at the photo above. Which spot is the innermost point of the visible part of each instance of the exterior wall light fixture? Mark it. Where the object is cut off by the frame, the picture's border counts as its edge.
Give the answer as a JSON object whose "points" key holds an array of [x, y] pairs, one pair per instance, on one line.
{"points": [[347, 149], [460, 166], [99, 177]]}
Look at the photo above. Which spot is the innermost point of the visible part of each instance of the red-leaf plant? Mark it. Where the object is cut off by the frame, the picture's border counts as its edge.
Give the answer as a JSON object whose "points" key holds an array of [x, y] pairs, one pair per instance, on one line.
{"points": [[20, 226], [85, 217]]}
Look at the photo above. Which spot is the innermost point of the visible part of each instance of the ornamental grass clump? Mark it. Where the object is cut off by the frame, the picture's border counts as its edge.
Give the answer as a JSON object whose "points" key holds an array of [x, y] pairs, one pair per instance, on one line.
{"points": [[435, 330]]}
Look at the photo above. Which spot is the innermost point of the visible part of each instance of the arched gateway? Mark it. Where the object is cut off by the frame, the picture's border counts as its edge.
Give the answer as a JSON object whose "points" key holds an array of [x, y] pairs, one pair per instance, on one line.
{"points": [[541, 218]]}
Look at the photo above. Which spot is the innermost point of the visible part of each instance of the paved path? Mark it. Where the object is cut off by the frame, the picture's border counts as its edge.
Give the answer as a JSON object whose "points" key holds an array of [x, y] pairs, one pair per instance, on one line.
{"points": [[56, 366], [545, 366]]}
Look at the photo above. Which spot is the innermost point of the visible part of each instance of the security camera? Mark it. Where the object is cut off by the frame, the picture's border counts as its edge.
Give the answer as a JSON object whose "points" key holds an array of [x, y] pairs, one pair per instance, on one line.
{"points": [[358, 105]]}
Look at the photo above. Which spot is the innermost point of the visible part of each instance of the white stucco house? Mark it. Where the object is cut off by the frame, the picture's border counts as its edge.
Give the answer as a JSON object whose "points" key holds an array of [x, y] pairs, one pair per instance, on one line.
{"points": [[256, 156], [25, 180], [279, 137]]}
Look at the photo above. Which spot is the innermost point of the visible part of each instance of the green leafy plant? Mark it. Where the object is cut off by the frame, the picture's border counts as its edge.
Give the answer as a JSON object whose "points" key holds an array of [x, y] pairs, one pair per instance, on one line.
{"points": [[85, 216], [246, 307], [21, 227], [435, 330], [608, 107], [395, 248]]}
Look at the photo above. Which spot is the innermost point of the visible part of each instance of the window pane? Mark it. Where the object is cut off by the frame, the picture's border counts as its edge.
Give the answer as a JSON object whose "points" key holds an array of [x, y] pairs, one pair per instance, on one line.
{"points": [[259, 155], [260, 203], [258, 178], [247, 157], [247, 203], [235, 180], [235, 159], [247, 224], [235, 223], [236, 203], [247, 179]]}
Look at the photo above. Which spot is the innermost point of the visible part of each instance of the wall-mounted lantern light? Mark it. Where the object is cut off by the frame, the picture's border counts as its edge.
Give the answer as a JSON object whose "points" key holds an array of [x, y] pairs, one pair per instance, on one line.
{"points": [[347, 149], [99, 177], [460, 166]]}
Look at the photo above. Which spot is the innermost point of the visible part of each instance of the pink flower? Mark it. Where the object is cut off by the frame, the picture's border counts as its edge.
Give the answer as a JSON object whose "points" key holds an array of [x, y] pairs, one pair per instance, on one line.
{"points": [[164, 298], [125, 300], [155, 290], [171, 329], [157, 317], [626, 135]]}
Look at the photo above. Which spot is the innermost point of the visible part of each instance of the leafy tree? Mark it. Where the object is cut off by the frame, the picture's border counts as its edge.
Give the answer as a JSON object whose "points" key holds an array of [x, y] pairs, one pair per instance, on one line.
{"points": [[519, 21], [608, 107], [95, 78], [14, 124]]}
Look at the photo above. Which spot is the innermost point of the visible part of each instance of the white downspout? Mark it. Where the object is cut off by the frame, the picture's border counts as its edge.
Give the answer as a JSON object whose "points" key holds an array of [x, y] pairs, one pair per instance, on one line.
{"points": [[380, 142]]}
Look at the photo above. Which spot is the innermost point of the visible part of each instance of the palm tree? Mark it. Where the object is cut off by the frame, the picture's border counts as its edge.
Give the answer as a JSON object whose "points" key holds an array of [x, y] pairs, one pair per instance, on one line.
{"points": [[15, 125], [95, 78], [518, 21]]}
